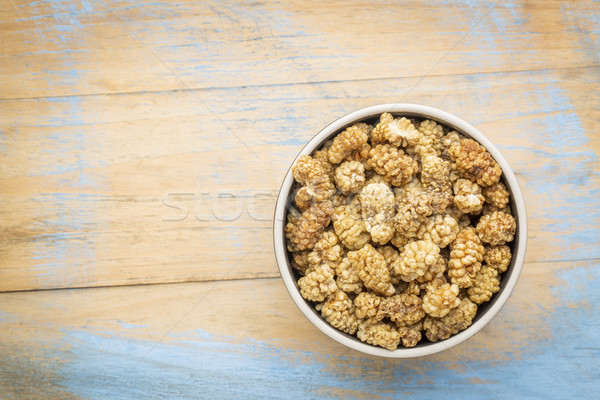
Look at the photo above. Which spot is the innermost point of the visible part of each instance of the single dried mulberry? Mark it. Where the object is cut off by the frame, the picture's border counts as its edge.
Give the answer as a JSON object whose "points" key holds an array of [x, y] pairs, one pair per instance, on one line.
{"points": [[307, 169], [403, 309], [434, 171], [377, 135], [308, 172], [326, 250], [401, 132], [430, 137], [377, 206], [475, 163], [466, 254], [351, 139], [497, 228], [413, 208], [300, 261], [349, 226], [322, 157], [347, 277], [410, 335], [485, 284], [435, 177], [450, 139], [391, 163], [304, 231], [338, 310], [303, 198], [467, 196], [367, 307], [372, 270], [350, 176], [458, 319], [390, 255], [438, 301], [496, 195], [318, 283], [498, 257], [441, 230], [415, 259], [380, 334]]}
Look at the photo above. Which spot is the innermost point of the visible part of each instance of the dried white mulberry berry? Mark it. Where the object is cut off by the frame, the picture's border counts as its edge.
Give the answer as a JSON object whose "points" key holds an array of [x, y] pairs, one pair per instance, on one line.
{"points": [[485, 284], [353, 138], [377, 207], [403, 309], [438, 301], [391, 163], [498, 257], [372, 270], [458, 319], [496, 195], [466, 254], [475, 163], [467, 196], [416, 259], [410, 335], [367, 307], [304, 231], [326, 250], [350, 176], [318, 283], [349, 226], [497, 228], [441, 230], [379, 334], [347, 277], [338, 310]]}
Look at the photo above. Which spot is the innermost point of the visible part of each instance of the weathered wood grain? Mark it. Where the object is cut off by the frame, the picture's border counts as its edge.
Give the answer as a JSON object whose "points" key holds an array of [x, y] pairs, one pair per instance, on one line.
{"points": [[61, 48], [152, 187], [143, 143], [247, 339]]}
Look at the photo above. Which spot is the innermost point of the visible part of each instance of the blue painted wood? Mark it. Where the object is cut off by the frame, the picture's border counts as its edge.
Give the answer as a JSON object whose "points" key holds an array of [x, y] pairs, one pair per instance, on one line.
{"points": [[91, 362]]}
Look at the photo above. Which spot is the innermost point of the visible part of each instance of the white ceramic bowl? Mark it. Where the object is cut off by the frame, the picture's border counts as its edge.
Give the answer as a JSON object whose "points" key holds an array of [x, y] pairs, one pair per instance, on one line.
{"points": [[486, 311]]}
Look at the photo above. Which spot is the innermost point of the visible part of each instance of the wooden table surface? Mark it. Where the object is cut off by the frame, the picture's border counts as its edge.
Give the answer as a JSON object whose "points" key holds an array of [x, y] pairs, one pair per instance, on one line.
{"points": [[142, 145]]}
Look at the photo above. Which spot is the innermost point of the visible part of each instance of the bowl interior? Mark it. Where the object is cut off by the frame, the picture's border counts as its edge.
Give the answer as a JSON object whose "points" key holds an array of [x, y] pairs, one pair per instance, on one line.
{"points": [[509, 277]]}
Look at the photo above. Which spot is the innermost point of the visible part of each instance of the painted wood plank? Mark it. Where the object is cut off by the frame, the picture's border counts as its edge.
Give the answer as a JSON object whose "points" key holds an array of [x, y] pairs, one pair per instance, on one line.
{"points": [[246, 339], [153, 187], [58, 48]]}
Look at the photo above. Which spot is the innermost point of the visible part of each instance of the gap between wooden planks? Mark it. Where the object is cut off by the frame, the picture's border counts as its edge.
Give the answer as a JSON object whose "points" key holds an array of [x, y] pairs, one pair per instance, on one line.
{"points": [[200, 89]]}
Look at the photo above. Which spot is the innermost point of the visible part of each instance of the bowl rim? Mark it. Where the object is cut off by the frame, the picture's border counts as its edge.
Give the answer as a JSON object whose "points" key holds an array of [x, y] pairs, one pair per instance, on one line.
{"points": [[421, 111]]}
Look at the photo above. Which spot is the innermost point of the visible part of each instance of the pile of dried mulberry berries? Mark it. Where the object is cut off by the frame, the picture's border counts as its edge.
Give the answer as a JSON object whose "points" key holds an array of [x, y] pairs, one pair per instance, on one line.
{"points": [[399, 230]]}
